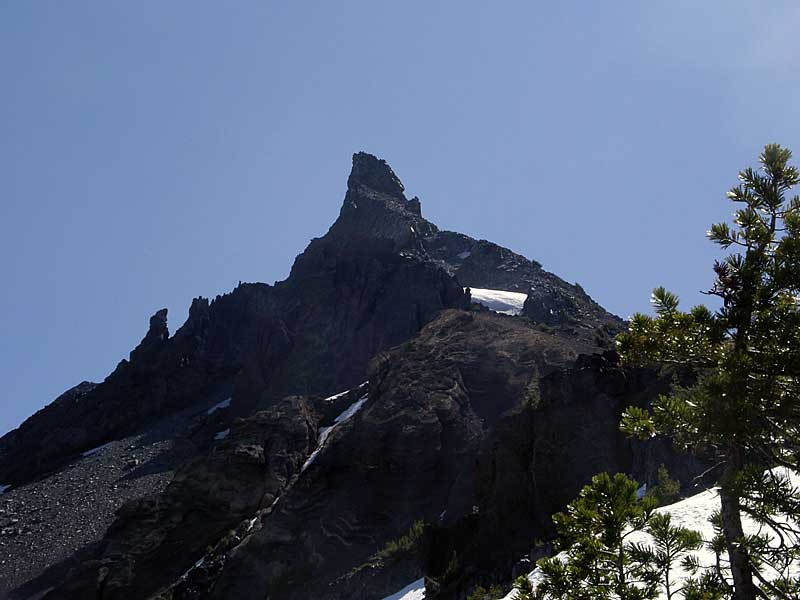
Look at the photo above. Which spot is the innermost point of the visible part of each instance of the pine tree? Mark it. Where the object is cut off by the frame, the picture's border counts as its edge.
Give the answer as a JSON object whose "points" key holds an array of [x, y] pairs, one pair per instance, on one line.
{"points": [[706, 587], [481, 593], [667, 490], [523, 588], [744, 407], [670, 545], [593, 533]]}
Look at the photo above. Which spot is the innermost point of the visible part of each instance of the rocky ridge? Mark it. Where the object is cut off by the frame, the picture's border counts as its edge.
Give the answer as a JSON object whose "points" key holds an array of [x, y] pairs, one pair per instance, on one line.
{"points": [[457, 429]]}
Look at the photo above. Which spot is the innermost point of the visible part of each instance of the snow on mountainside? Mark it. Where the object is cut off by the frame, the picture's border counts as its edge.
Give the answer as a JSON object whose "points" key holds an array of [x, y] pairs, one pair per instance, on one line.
{"points": [[219, 554], [508, 303], [245, 380], [413, 591], [693, 513], [326, 431]]}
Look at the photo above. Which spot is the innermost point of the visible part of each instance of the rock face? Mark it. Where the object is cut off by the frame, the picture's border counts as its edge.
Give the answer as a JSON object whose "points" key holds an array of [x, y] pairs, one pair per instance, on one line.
{"points": [[536, 460], [162, 376], [351, 294], [380, 273], [408, 455], [482, 264], [479, 425], [376, 205], [156, 539]]}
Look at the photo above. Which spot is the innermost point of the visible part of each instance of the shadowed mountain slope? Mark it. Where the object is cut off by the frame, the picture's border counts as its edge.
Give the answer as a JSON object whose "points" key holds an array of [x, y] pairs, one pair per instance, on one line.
{"points": [[263, 499]]}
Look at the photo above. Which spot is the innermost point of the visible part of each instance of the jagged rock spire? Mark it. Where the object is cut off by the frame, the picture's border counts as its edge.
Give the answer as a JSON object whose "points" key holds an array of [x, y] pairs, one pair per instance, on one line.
{"points": [[158, 326], [375, 206], [375, 174], [156, 336]]}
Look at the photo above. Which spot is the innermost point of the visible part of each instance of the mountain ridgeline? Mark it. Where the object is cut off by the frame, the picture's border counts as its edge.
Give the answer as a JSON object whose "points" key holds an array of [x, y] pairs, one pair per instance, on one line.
{"points": [[230, 466]]}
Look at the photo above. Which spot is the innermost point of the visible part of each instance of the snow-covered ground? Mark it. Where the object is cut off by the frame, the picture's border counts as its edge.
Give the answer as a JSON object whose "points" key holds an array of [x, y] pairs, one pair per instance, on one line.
{"points": [[326, 431], [413, 591], [508, 303], [693, 513]]}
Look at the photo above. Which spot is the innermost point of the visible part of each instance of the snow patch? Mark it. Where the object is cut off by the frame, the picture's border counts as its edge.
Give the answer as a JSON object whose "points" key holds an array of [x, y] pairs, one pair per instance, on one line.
{"points": [[465, 254], [251, 522], [221, 435], [339, 395], [351, 410], [3, 488], [94, 451], [326, 431], [220, 406], [508, 303], [413, 591]]}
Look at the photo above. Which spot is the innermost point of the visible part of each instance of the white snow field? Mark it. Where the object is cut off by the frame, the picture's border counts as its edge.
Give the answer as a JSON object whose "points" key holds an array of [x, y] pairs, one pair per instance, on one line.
{"points": [[508, 303], [692, 513]]}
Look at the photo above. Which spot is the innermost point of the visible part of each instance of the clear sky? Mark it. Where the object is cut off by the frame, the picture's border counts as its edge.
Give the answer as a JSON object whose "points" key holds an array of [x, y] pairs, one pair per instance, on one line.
{"points": [[155, 151]]}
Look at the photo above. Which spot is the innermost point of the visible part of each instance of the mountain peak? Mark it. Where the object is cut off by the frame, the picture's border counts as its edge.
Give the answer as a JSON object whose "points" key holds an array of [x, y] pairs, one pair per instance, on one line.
{"points": [[375, 206], [375, 174]]}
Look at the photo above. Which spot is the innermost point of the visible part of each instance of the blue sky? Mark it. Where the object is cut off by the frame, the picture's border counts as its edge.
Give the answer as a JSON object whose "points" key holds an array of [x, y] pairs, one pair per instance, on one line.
{"points": [[151, 152]]}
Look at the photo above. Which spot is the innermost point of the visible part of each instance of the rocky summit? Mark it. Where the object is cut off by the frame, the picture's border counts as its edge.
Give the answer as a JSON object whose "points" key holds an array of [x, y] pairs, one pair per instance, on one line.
{"points": [[358, 426]]}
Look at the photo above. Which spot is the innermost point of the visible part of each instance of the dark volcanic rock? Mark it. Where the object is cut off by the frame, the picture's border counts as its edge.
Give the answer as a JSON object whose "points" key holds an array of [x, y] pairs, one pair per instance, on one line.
{"points": [[408, 455], [537, 459], [154, 340], [380, 273], [375, 205], [551, 300], [64, 515], [351, 294], [162, 376], [47, 429], [463, 422], [156, 539]]}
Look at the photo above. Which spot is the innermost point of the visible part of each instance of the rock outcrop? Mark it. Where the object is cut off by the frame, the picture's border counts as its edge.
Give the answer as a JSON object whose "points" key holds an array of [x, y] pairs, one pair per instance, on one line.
{"points": [[536, 460], [376, 206]]}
